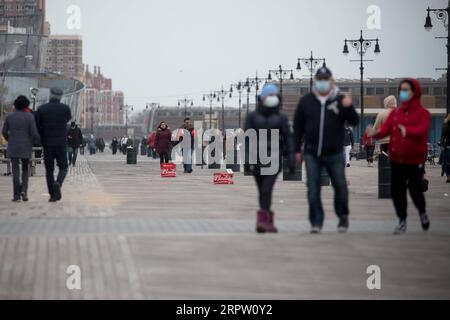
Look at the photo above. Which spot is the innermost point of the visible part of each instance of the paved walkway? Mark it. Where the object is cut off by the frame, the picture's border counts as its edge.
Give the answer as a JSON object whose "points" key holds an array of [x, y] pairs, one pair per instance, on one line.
{"points": [[137, 236]]}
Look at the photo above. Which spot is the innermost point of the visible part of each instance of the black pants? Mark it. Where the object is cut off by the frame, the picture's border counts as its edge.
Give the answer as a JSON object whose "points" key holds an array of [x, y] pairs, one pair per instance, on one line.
{"points": [[20, 182], [164, 158], [265, 188], [406, 176], [58, 154], [369, 151]]}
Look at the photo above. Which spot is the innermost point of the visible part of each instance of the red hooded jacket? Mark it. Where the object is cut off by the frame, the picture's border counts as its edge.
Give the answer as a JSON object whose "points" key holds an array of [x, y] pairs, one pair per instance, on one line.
{"points": [[413, 148]]}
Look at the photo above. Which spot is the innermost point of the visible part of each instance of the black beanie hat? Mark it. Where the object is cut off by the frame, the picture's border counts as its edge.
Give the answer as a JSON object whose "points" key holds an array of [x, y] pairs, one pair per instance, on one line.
{"points": [[21, 103]]}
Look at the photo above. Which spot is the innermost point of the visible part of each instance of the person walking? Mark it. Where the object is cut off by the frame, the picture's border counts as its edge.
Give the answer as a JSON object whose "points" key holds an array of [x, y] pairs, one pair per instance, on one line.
{"points": [[390, 103], [75, 140], [445, 146], [114, 146], [52, 119], [163, 142], [408, 128], [369, 145], [21, 133], [92, 145], [151, 145], [187, 129], [269, 117], [320, 121], [349, 143]]}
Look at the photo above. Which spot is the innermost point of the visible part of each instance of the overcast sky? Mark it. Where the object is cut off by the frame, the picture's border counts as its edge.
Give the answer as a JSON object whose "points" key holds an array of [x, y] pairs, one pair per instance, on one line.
{"points": [[159, 51]]}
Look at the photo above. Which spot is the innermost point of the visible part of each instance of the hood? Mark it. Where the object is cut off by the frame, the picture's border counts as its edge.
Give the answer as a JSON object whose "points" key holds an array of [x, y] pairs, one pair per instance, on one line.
{"points": [[261, 108], [415, 101]]}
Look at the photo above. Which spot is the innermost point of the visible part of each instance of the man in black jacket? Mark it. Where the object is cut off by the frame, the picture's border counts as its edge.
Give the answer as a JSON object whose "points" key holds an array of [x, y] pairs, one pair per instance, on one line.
{"points": [[320, 121], [75, 140], [52, 119]]}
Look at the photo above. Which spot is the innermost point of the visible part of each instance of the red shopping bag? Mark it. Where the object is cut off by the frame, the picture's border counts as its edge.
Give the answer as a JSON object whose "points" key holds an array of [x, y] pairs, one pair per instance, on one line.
{"points": [[168, 170], [223, 178]]}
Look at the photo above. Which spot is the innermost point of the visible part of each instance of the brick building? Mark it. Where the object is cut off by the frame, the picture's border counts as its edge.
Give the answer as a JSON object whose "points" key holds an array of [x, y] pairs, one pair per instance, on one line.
{"points": [[65, 56], [102, 106]]}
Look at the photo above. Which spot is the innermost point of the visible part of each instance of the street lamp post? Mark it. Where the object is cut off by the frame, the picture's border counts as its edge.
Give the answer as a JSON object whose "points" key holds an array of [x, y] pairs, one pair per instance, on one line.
{"points": [[362, 45], [281, 74], [91, 110], [221, 95], [239, 87], [254, 83], [210, 97], [34, 92], [185, 102], [312, 64], [126, 107], [443, 15]]}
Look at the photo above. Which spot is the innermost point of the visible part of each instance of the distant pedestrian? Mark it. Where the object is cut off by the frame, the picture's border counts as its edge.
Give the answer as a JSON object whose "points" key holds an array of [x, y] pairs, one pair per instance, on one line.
{"points": [[320, 120], [52, 119], [92, 145], [21, 133], [369, 145], [349, 143], [408, 128], [268, 116], [186, 130], [163, 142], [75, 140], [390, 103], [114, 146], [144, 146], [445, 146], [151, 142]]}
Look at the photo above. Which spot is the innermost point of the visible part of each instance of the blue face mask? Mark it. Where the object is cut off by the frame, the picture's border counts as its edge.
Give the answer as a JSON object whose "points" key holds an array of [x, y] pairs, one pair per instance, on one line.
{"points": [[323, 86], [404, 96]]}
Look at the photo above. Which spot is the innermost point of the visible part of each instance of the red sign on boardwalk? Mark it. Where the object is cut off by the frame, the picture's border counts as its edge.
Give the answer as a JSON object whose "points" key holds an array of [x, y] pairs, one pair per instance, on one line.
{"points": [[223, 178], [169, 170]]}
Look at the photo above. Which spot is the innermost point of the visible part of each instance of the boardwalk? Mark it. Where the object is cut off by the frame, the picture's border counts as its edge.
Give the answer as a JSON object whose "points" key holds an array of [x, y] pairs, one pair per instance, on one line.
{"points": [[137, 236]]}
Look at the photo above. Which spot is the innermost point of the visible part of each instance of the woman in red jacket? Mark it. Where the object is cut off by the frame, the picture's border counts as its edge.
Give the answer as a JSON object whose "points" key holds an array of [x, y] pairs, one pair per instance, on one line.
{"points": [[408, 127], [163, 142]]}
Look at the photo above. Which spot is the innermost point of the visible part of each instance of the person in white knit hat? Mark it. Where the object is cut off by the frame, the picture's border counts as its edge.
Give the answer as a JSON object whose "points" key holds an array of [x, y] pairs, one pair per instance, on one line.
{"points": [[390, 103]]}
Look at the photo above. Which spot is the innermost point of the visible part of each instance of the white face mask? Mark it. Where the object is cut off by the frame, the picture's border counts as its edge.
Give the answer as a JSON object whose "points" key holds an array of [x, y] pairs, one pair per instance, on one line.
{"points": [[271, 102]]}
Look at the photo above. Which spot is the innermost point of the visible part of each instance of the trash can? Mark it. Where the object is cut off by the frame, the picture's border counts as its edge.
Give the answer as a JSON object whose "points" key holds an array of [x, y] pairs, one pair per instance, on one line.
{"points": [[297, 175], [384, 177], [131, 155]]}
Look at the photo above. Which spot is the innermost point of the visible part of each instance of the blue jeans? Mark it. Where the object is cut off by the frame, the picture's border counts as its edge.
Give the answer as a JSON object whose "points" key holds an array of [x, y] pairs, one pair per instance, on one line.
{"points": [[72, 154], [335, 166], [58, 154]]}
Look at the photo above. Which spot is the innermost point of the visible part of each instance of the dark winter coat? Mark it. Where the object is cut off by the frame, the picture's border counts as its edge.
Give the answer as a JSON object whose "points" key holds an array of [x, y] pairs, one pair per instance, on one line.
{"points": [[270, 119], [21, 133], [348, 138], [322, 126], [75, 137], [52, 119], [163, 141]]}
